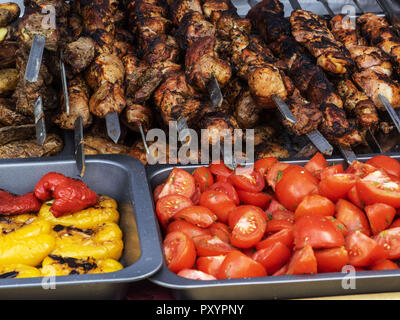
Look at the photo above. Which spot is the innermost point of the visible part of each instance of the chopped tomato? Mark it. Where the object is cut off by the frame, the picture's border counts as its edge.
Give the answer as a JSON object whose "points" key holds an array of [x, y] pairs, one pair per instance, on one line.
{"points": [[195, 274], [169, 205], [282, 271], [264, 165], [198, 215], [284, 236], [336, 186], [318, 232], [228, 189], [179, 251], [179, 182], [275, 174], [295, 185], [390, 165], [380, 216], [277, 225], [220, 170], [219, 203], [316, 164], [331, 260], [211, 264], [303, 261], [259, 199], [315, 205], [239, 211], [389, 240], [209, 245], [237, 265], [248, 229], [285, 215], [352, 217], [203, 178], [384, 265], [363, 250], [360, 169], [188, 228], [379, 187], [353, 196], [273, 257], [275, 206], [247, 180], [220, 230], [157, 191], [395, 224], [339, 224], [331, 170]]}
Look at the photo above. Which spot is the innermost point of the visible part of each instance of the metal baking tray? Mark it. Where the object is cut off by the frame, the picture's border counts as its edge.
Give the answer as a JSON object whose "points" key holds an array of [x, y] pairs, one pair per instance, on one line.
{"points": [[120, 177], [271, 287]]}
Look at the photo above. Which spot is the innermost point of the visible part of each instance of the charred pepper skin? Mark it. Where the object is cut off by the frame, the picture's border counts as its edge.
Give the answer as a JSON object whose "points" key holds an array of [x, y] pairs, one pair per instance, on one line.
{"points": [[70, 195], [12, 205]]}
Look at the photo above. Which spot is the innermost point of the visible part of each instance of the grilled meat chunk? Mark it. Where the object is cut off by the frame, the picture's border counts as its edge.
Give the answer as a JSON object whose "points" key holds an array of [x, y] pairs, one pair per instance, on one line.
{"points": [[137, 115], [79, 54], [103, 146], [9, 12], [8, 115]]}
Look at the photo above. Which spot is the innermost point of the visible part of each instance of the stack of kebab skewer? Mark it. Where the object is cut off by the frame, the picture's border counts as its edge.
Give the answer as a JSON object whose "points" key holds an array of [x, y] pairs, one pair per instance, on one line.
{"points": [[17, 129]]}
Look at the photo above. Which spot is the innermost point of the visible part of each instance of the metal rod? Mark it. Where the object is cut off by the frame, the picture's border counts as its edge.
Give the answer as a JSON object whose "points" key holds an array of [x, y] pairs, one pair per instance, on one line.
{"points": [[79, 146], [327, 7], [214, 92], [113, 126], [40, 123], [357, 3], [348, 154], [146, 147], [64, 84], [35, 58]]}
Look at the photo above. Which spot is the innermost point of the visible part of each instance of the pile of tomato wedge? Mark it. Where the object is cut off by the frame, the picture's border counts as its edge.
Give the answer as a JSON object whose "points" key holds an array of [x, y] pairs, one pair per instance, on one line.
{"points": [[277, 218]]}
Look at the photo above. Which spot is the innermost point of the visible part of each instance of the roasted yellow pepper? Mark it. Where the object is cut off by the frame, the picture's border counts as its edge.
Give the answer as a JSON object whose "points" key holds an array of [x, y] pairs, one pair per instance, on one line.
{"points": [[59, 266], [19, 271], [23, 226], [101, 242], [104, 211]]}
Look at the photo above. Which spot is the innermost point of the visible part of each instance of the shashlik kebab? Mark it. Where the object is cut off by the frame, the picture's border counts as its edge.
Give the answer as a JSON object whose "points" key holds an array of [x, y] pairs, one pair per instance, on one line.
{"points": [[268, 18]]}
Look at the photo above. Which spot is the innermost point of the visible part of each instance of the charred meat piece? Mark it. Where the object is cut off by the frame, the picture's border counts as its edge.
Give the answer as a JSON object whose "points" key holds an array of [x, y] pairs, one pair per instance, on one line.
{"points": [[180, 8], [16, 133], [9, 12], [104, 146], [137, 116], [247, 112], [8, 115], [8, 81], [109, 97], [79, 54]]}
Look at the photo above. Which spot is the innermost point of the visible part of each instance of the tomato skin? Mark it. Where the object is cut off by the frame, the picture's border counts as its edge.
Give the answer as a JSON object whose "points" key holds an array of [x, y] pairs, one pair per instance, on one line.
{"points": [[259, 199], [318, 232], [186, 227], [336, 186], [179, 182], [210, 264], [179, 251], [248, 229], [295, 185], [315, 205], [363, 250], [203, 178], [380, 216], [218, 202], [353, 196], [331, 170], [285, 236], [283, 215], [379, 187], [282, 271], [389, 240], [316, 164], [209, 245], [385, 265], [352, 217], [331, 260], [340, 225], [238, 265], [264, 165], [219, 169], [168, 206], [220, 230], [303, 261], [197, 215], [275, 206], [239, 211], [277, 225], [273, 257], [392, 166], [228, 189], [194, 274], [157, 191], [275, 173], [251, 181], [360, 169]]}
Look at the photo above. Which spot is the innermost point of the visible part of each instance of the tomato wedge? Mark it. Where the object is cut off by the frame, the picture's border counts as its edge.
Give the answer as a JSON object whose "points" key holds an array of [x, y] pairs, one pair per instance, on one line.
{"points": [[275, 173], [248, 180], [331, 260], [238, 265], [264, 165], [248, 229], [188, 228], [360, 169], [208, 245], [197, 215], [219, 203], [315, 205], [379, 187], [390, 165], [157, 191], [203, 178], [273, 257], [363, 250], [194, 274], [259, 199], [219, 169], [385, 265], [336, 186], [179, 251], [211, 264], [285, 236], [331, 170], [303, 261], [169, 205], [389, 240], [179, 182], [239, 211], [277, 225], [316, 164], [295, 185], [353, 196], [352, 217], [228, 189], [380, 216], [318, 232], [220, 230]]}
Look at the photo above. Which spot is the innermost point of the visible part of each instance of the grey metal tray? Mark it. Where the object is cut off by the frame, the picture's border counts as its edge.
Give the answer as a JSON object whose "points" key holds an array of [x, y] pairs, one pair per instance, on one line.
{"points": [[120, 177], [271, 287]]}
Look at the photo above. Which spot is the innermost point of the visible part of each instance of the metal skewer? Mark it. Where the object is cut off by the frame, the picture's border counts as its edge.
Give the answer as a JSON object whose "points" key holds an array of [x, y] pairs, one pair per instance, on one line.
{"points": [[40, 123], [327, 7], [113, 126], [359, 6]]}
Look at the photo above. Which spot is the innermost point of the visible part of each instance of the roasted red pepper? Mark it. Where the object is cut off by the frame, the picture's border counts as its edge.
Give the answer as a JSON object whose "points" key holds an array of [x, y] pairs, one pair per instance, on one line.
{"points": [[70, 195], [11, 204]]}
